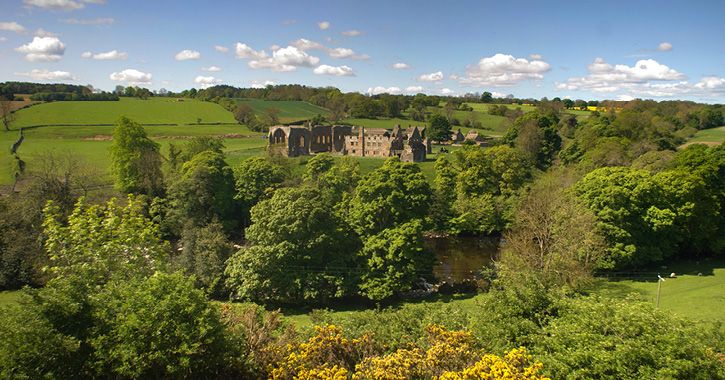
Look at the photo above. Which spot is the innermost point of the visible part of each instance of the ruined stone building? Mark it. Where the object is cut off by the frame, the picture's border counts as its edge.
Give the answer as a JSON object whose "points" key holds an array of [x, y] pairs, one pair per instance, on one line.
{"points": [[293, 141]]}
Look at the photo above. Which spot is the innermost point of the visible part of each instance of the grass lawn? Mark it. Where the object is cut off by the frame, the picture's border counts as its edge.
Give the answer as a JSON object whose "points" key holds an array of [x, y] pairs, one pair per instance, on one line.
{"points": [[8, 297], [689, 295]]}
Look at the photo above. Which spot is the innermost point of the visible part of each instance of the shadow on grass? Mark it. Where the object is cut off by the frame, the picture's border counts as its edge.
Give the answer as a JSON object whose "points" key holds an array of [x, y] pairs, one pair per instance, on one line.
{"points": [[359, 304]]}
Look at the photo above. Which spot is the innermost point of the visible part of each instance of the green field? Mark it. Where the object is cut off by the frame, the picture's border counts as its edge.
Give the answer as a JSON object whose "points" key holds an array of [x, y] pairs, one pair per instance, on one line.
{"points": [[290, 111], [713, 135], [150, 111], [700, 298]]}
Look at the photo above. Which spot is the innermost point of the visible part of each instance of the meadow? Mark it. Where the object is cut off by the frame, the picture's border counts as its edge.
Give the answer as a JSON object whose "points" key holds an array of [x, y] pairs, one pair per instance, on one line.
{"points": [[713, 135], [290, 111]]}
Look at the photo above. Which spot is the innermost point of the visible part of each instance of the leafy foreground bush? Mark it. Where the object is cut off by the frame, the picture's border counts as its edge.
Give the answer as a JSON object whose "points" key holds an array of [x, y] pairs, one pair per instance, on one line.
{"points": [[160, 327]]}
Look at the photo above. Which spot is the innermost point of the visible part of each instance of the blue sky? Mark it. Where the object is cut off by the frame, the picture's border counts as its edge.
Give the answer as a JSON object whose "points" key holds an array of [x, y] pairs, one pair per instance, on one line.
{"points": [[530, 49]]}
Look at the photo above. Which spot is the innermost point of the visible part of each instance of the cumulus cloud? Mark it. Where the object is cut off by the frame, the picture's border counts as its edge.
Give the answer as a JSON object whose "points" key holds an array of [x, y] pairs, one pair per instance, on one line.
{"points": [[43, 49], [344, 53], [323, 25], [205, 82], [647, 78], [109, 56], [604, 77], [62, 5], [447, 91], [258, 84], [416, 89], [665, 46], [187, 54], [132, 77], [211, 68], [305, 44], [535, 57], [287, 59], [352, 33], [401, 66], [242, 51], [381, 90], [430, 77], [339, 71], [95, 21], [222, 49], [503, 70], [45, 75], [43, 33], [13, 27]]}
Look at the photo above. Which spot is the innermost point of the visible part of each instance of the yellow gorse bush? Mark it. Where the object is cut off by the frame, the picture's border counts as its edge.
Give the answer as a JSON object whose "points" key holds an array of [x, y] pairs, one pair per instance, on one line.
{"points": [[450, 355]]}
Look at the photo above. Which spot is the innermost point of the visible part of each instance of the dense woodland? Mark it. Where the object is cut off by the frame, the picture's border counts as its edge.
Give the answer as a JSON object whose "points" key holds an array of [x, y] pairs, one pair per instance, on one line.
{"points": [[573, 198]]}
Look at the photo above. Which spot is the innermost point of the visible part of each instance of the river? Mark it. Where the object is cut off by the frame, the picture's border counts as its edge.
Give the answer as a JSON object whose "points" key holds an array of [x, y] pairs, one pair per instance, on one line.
{"points": [[458, 258]]}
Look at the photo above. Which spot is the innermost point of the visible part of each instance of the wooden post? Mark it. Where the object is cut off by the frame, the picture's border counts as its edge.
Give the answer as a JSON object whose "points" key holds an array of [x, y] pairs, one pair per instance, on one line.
{"points": [[659, 287]]}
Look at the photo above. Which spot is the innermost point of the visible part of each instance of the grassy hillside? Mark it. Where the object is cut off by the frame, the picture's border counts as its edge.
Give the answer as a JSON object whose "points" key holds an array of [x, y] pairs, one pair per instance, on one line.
{"points": [[290, 111], [713, 135], [151, 111]]}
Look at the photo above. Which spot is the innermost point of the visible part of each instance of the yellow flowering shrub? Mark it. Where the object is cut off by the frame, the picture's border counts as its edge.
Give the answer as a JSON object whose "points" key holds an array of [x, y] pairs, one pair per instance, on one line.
{"points": [[451, 355]]}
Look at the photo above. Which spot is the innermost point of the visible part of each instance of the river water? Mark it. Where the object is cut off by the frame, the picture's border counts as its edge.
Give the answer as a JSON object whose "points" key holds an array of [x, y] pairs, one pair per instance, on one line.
{"points": [[458, 258]]}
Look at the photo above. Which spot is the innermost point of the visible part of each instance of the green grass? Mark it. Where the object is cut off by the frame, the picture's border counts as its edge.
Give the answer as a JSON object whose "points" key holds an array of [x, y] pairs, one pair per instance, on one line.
{"points": [[8, 297], [716, 135], [290, 111], [151, 111], [700, 298]]}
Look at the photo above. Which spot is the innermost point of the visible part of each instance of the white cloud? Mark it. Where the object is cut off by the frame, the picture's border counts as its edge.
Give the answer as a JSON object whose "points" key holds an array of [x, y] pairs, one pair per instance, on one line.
{"points": [[45, 75], [257, 84], [535, 57], [206, 82], [344, 53], [43, 33], [415, 89], [323, 25], [107, 56], [352, 33], [2, 39], [646, 79], [95, 21], [287, 59], [381, 90], [447, 91], [132, 77], [665, 46], [274, 48], [242, 51], [286, 22], [339, 71], [222, 49], [13, 27], [305, 44], [62, 5], [401, 66], [211, 68], [43, 49], [430, 77], [503, 70], [187, 54], [604, 77]]}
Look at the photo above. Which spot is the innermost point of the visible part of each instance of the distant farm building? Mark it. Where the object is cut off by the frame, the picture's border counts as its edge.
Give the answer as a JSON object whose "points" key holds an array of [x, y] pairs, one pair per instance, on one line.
{"points": [[294, 141]]}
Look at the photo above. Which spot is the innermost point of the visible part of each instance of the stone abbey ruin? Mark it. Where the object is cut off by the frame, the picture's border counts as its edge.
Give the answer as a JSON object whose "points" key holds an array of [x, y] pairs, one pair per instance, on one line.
{"points": [[411, 144]]}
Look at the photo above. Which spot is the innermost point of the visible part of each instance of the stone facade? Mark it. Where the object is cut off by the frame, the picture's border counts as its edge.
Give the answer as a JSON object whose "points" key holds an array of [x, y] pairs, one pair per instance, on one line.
{"points": [[293, 141]]}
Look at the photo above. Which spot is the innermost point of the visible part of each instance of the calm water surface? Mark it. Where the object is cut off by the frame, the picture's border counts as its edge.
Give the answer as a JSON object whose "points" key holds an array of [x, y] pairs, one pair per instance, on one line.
{"points": [[458, 258]]}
